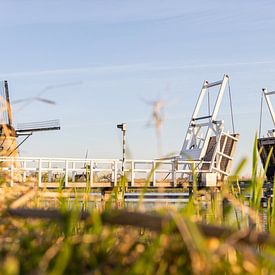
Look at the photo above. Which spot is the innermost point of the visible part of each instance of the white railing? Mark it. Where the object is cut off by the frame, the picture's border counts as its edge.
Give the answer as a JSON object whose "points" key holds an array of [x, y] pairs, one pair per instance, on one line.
{"points": [[71, 172]]}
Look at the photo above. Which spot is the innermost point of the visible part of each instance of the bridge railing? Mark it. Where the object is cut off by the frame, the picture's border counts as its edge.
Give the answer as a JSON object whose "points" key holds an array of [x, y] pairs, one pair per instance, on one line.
{"points": [[71, 172]]}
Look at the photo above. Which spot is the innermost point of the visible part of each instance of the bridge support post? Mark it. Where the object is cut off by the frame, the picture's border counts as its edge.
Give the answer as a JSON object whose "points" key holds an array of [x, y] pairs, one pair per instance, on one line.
{"points": [[40, 173], [73, 172], [66, 172], [132, 173], [12, 173], [24, 171], [174, 174], [115, 173], [91, 173], [154, 173], [49, 171]]}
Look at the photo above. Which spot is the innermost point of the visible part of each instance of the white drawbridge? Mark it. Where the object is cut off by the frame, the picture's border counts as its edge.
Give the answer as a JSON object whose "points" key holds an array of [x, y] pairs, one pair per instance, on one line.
{"points": [[207, 151], [206, 140]]}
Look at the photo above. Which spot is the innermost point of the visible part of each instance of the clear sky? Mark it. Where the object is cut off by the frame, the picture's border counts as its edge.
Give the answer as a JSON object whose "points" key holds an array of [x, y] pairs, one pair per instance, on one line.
{"points": [[116, 53]]}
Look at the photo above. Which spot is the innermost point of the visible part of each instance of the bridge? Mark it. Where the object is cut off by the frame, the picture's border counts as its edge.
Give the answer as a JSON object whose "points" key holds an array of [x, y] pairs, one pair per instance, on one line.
{"points": [[207, 152], [96, 173]]}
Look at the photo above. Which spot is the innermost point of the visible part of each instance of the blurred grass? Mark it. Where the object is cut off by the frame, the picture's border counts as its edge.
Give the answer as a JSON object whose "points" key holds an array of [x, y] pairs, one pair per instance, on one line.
{"points": [[71, 245]]}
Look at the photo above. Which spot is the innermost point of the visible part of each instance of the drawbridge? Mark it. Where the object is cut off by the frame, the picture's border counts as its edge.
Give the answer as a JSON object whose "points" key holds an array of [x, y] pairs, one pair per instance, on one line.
{"points": [[206, 140], [205, 157], [266, 143]]}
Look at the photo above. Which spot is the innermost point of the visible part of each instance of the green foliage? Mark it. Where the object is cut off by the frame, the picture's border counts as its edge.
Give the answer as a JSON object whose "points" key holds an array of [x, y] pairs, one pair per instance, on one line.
{"points": [[71, 246]]}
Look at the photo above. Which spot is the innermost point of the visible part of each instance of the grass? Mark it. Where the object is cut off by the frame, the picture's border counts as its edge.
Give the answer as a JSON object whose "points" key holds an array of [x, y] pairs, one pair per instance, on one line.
{"points": [[169, 241]]}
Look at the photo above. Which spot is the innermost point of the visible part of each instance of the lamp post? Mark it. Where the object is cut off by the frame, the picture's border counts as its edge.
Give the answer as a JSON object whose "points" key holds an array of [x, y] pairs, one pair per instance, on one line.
{"points": [[123, 127]]}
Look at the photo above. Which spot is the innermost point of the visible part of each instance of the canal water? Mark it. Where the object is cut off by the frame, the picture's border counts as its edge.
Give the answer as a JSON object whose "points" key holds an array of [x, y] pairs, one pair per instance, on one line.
{"points": [[147, 202]]}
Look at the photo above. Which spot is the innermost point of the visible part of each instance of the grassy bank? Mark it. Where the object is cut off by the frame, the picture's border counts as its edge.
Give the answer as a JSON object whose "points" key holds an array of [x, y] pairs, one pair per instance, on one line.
{"points": [[216, 232]]}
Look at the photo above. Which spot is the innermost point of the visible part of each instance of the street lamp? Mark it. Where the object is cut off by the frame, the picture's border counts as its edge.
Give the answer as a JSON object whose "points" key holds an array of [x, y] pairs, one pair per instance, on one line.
{"points": [[123, 127]]}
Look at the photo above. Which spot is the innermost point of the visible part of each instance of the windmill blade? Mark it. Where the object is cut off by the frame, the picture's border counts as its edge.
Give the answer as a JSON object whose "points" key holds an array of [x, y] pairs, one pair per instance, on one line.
{"points": [[38, 126], [44, 100], [28, 99], [47, 88], [21, 100], [62, 85], [146, 101], [7, 98]]}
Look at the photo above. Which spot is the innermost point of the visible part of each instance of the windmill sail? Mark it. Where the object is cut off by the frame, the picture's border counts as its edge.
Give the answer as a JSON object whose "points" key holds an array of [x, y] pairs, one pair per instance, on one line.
{"points": [[38, 126]]}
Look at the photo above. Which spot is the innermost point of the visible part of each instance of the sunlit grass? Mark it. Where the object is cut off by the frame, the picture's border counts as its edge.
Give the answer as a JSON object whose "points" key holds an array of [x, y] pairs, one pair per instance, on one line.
{"points": [[69, 245]]}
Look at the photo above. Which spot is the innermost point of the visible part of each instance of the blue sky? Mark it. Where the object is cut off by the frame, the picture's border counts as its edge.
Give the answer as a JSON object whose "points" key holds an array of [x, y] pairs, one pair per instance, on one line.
{"points": [[114, 53]]}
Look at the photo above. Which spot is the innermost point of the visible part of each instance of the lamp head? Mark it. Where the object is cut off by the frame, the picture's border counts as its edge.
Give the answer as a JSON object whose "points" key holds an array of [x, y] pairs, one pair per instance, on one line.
{"points": [[122, 126]]}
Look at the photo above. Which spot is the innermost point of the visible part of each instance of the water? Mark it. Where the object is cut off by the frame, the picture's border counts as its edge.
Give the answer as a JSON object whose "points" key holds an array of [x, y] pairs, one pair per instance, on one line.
{"points": [[150, 201]]}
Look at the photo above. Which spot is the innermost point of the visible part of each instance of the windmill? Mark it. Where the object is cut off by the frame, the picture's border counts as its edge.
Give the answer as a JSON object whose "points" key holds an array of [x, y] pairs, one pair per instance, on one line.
{"points": [[8, 133], [157, 117]]}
